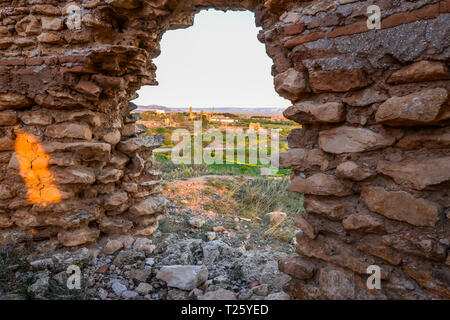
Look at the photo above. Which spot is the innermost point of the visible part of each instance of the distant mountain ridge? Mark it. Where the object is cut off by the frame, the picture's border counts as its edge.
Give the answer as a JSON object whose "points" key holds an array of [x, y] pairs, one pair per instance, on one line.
{"points": [[237, 110], [153, 108]]}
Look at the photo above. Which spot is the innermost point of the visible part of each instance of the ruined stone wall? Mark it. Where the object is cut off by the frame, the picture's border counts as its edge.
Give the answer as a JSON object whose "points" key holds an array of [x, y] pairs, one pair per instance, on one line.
{"points": [[372, 157], [67, 72]]}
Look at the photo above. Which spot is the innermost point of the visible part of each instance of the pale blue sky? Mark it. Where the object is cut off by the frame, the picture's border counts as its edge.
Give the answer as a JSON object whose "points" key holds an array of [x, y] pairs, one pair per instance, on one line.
{"points": [[217, 62]]}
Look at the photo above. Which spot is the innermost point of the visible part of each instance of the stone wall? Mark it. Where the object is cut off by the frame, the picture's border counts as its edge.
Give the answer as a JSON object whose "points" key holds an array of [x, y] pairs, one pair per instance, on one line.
{"points": [[372, 157], [64, 92]]}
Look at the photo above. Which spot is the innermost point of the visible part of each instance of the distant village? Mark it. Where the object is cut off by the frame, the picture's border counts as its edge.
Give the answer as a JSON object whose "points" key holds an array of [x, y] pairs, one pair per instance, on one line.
{"points": [[158, 117], [165, 121]]}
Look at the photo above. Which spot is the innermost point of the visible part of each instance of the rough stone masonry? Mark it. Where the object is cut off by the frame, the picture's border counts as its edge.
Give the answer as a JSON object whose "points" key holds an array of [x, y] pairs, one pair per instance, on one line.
{"points": [[372, 157]]}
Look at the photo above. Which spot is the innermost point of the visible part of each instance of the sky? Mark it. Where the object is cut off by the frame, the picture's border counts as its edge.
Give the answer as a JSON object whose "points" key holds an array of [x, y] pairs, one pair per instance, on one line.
{"points": [[217, 62]]}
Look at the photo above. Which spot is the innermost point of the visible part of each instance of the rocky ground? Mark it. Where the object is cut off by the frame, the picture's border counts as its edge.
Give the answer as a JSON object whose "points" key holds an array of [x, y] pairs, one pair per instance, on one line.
{"points": [[196, 254]]}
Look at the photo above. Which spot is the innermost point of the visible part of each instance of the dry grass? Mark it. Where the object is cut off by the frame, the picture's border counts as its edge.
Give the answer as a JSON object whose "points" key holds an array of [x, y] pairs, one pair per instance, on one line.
{"points": [[239, 204], [11, 261]]}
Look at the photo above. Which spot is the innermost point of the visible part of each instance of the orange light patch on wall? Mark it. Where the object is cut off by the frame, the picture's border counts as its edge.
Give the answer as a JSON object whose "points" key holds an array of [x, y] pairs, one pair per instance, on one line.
{"points": [[33, 166]]}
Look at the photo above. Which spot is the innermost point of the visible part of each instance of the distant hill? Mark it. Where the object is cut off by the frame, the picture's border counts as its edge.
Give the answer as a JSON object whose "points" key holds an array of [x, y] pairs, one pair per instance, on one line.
{"points": [[237, 110], [153, 108], [244, 110]]}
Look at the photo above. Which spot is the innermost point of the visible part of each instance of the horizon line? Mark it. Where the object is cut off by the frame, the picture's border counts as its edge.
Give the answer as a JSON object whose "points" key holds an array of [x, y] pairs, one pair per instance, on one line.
{"points": [[209, 107]]}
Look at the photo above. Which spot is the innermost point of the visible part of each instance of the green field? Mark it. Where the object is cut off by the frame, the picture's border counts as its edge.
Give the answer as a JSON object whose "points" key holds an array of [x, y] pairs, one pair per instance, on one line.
{"points": [[173, 171], [181, 120]]}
